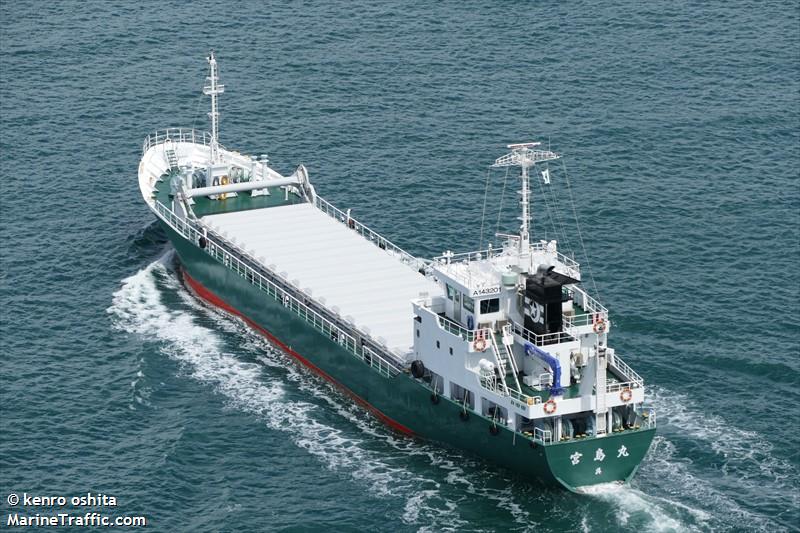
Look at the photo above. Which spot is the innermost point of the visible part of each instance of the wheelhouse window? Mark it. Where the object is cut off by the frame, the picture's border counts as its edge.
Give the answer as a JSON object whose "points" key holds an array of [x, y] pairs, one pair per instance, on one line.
{"points": [[451, 292], [492, 305], [469, 304]]}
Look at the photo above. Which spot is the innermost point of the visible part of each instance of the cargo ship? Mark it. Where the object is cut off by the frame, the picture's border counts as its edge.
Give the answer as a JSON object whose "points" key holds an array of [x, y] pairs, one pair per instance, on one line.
{"points": [[501, 352]]}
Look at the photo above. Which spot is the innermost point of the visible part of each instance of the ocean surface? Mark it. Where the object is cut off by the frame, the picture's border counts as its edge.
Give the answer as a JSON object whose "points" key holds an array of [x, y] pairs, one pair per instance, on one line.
{"points": [[680, 126]]}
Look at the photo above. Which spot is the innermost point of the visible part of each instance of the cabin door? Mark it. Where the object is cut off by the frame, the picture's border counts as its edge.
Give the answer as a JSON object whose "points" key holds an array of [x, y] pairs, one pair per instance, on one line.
{"points": [[457, 307]]}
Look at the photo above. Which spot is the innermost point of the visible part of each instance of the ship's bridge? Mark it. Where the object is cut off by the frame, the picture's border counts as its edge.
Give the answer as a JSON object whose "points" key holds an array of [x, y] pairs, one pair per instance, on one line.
{"points": [[481, 286]]}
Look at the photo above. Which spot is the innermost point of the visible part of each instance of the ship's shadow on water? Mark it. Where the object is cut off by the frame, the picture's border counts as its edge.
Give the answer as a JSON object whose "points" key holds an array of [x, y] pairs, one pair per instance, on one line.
{"points": [[149, 242], [431, 487]]}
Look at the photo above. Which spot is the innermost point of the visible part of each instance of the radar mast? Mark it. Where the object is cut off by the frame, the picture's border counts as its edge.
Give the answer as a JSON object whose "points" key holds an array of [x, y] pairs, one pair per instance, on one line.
{"points": [[213, 88], [522, 155]]}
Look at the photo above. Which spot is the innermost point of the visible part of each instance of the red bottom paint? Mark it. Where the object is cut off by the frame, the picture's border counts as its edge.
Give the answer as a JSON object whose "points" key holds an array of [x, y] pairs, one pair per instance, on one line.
{"points": [[215, 300]]}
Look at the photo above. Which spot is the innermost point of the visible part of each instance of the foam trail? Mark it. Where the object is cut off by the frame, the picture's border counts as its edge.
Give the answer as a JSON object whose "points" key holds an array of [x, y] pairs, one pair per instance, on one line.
{"points": [[680, 496], [745, 453], [320, 389], [431, 499], [137, 308]]}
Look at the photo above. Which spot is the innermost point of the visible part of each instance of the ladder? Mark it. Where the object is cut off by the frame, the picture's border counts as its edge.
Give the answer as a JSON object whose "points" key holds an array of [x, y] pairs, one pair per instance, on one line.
{"points": [[172, 157], [600, 389], [501, 362], [508, 356]]}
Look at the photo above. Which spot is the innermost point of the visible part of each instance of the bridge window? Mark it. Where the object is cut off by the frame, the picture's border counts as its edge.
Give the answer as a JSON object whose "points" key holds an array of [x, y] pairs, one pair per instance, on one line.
{"points": [[450, 291], [469, 304], [492, 305]]}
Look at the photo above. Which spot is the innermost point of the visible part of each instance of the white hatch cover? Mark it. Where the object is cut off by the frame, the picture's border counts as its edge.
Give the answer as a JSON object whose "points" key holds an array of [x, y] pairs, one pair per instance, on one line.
{"points": [[334, 265]]}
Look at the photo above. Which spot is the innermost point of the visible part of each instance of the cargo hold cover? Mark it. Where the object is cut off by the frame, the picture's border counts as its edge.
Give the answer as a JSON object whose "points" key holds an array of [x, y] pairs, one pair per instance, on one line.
{"points": [[334, 265]]}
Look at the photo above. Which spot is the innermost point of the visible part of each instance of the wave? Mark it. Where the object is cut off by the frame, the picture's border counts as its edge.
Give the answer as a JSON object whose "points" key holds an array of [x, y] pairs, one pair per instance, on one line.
{"points": [[438, 486], [137, 308], [744, 453]]}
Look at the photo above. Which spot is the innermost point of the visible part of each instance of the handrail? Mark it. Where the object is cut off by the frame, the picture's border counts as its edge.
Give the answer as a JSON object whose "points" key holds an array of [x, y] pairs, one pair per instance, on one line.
{"points": [[589, 304], [456, 329], [565, 259], [620, 386], [543, 435], [540, 340], [616, 361], [460, 257], [486, 332], [367, 233], [649, 416], [189, 135], [286, 295], [519, 396]]}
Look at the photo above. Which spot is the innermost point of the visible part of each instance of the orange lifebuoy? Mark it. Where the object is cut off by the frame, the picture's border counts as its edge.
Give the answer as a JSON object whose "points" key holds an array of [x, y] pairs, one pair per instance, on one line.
{"points": [[626, 395], [599, 326], [550, 406]]}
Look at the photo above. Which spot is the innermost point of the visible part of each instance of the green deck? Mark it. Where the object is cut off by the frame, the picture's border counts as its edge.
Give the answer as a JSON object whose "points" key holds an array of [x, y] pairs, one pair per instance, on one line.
{"points": [[242, 201]]}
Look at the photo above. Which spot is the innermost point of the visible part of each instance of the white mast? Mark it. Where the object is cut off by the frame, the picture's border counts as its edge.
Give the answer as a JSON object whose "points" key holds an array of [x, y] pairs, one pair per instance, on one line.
{"points": [[213, 88], [522, 156]]}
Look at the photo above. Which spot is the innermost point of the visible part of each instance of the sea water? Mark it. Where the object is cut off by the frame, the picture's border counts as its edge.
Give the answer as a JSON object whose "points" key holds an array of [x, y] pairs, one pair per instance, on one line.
{"points": [[680, 126]]}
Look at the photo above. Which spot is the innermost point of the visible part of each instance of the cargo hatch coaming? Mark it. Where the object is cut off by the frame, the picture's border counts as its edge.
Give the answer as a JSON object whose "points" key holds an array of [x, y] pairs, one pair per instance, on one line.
{"points": [[334, 265]]}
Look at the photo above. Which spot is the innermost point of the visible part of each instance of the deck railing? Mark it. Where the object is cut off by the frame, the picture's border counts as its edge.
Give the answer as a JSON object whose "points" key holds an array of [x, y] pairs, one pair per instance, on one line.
{"points": [[545, 436], [649, 417], [593, 308], [569, 263], [540, 340], [617, 362], [372, 236], [493, 385], [453, 328], [187, 135], [572, 266], [242, 264]]}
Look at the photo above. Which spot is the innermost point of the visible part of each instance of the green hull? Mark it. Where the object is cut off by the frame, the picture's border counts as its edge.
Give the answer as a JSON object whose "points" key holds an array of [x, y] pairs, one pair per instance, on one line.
{"points": [[404, 402]]}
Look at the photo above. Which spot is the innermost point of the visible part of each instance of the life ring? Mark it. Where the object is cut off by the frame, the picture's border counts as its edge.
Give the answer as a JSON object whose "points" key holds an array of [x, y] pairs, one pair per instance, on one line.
{"points": [[626, 395], [599, 326], [550, 407], [479, 344]]}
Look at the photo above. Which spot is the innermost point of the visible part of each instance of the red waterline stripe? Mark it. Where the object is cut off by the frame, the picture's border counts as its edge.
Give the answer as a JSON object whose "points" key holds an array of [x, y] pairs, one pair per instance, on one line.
{"points": [[215, 300]]}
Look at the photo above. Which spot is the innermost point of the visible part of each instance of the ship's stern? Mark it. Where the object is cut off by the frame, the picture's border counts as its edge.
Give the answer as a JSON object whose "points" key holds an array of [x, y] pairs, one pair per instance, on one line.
{"points": [[581, 463]]}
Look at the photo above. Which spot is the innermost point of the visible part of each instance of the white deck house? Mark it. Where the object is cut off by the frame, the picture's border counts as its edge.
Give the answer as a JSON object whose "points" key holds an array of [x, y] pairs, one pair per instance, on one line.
{"points": [[334, 265]]}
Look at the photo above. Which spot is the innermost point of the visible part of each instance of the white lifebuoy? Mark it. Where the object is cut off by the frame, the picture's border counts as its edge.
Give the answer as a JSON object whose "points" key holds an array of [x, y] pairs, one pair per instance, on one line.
{"points": [[479, 344]]}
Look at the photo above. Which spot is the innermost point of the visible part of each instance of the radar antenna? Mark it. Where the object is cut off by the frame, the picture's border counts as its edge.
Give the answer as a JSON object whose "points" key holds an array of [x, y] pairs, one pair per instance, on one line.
{"points": [[213, 88], [522, 155]]}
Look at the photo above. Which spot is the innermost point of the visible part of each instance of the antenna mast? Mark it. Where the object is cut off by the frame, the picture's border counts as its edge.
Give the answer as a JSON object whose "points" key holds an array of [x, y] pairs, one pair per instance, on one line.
{"points": [[523, 156], [213, 88]]}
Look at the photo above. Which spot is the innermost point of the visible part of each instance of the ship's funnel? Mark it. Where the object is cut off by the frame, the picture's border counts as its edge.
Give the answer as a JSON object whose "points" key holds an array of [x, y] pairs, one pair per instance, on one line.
{"points": [[543, 297]]}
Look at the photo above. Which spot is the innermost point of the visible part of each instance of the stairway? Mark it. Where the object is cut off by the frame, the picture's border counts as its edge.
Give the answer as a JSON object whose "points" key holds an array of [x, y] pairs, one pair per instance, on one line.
{"points": [[600, 390], [504, 354], [172, 157]]}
